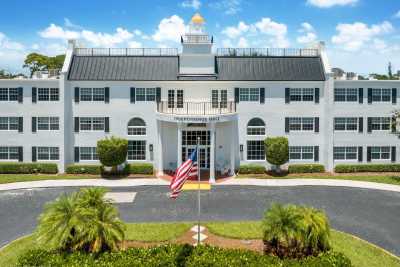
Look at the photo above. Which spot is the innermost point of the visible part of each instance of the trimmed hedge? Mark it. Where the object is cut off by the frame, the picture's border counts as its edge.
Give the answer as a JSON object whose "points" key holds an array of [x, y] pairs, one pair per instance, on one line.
{"points": [[28, 168], [251, 169], [83, 169], [176, 255], [306, 168], [141, 168], [350, 168]]}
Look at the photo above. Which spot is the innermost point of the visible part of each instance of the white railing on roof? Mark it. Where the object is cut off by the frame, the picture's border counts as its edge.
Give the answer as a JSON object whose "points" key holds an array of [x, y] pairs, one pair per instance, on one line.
{"points": [[267, 52], [126, 51], [196, 38]]}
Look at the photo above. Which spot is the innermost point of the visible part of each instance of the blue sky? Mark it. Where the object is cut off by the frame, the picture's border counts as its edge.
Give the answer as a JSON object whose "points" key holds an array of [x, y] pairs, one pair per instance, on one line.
{"points": [[360, 35]]}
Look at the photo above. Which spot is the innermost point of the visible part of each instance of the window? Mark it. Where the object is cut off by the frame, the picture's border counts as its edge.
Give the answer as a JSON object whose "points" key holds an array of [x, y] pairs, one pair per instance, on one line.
{"points": [[345, 153], [380, 123], [346, 95], [224, 99], [179, 98], [256, 126], [92, 124], [145, 94], [381, 95], [136, 126], [8, 94], [302, 94], [48, 94], [301, 124], [171, 97], [9, 153], [88, 153], [301, 153], [47, 153], [346, 124], [214, 98], [92, 94], [255, 150], [48, 123], [8, 123], [137, 150], [249, 94], [380, 152]]}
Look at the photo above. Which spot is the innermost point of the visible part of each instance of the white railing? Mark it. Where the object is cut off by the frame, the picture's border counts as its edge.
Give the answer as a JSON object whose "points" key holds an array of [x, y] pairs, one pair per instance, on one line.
{"points": [[196, 108], [196, 38], [267, 52], [126, 51]]}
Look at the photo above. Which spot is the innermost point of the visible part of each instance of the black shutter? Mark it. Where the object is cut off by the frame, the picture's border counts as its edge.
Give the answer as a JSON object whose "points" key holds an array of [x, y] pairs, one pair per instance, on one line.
{"points": [[33, 154], [287, 125], [106, 124], [360, 154], [20, 124], [393, 154], [316, 124], [34, 94], [20, 94], [316, 153], [262, 95], [369, 95], [360, 95], [76, 154], [369, 154], [76, 124], [394, 121], [394, 95], [360, 124], [107, 95], [158, 94], [316, 95], [20, 154], [287, 95], [369, 125], [133, 95], [76, 94], [34, 127], [237, 95]]}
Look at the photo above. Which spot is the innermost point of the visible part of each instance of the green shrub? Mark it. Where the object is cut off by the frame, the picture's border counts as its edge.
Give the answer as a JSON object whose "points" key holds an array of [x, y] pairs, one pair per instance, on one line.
{"points": [[295, 231], [28, 168], [350, 168], [251, 169], [112, 151], [83, 169], [306, 168], [141, 168], [176, 255], [277, 151]]}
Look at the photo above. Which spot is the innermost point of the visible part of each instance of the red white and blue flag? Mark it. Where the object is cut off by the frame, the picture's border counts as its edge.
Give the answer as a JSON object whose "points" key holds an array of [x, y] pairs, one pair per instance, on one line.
{"points": [[187, 170]]}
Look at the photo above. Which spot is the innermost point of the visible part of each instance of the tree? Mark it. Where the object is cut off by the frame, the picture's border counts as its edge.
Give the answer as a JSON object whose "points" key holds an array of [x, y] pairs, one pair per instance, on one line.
{"points": [[112, 151], [390, 72], [7, 75], [39, 62], [277, 151]]}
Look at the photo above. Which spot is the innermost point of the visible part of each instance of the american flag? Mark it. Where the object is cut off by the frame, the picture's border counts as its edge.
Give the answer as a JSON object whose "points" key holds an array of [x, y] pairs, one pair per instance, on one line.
{"points": [[187, 170]]}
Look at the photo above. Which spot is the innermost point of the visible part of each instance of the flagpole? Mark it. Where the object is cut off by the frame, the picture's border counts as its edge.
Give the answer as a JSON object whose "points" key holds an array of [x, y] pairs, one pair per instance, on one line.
{"points": [[198, 191]]}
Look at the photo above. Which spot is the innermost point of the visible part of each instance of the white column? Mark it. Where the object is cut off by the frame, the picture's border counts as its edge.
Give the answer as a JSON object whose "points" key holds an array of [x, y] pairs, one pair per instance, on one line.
{"points": [[179, 149], [160, 149], [233, 147], [212, 153]]}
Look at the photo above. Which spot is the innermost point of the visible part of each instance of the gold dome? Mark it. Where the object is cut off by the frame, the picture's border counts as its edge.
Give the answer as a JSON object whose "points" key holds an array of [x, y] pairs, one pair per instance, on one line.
{"points": [[198, 19]]}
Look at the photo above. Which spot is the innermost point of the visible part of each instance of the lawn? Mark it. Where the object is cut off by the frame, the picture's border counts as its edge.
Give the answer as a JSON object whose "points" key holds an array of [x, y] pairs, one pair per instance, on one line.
{"points": [[360, 252]]}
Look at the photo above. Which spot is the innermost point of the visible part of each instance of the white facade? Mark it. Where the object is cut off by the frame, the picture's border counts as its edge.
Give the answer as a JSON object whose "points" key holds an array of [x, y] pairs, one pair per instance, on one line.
{"points": [[223, 122]]}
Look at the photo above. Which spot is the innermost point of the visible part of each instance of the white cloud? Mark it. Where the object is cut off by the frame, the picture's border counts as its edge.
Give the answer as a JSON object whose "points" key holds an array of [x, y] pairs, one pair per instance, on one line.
{"points": [[234, 32], [397, 15], [229, 7], [170, 29], [270, 27], [331, 3], [57, 32], [195, 4], [308, 36], [105, 39], [306, 27], [352, 37], [7, 44], [243, 43], [68, 23], [134, 44]]}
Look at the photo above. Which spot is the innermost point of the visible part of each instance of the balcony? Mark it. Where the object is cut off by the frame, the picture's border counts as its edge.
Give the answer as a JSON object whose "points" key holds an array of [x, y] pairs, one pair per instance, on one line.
{"points": [[197, 108]]}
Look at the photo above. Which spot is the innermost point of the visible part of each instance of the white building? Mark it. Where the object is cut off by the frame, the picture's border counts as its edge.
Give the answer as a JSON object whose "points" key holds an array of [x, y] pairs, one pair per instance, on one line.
{"points": [[162, 100]]}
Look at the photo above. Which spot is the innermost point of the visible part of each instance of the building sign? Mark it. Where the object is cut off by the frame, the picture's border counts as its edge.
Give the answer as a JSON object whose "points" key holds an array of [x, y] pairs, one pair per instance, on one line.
{"points": [[197, 119]]}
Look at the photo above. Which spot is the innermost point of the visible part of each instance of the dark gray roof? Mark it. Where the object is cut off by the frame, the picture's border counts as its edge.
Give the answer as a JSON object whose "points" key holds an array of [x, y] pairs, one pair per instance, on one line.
{"points": [[166, 68]]}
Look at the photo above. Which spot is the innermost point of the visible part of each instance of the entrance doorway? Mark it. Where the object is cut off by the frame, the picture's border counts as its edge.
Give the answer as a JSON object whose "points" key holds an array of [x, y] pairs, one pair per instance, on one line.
{"points": [[189, 142]]}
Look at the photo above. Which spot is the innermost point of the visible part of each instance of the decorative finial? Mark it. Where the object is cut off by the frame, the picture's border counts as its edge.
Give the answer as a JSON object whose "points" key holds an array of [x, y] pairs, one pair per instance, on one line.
{"points": [[198, 19]]}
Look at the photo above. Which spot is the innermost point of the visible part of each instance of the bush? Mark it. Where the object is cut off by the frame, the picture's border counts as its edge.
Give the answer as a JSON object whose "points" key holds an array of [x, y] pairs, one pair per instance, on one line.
{"points": [[277, 150], [350, 168], [141, 168], [28, 168], [295, 231], [176, 255], [251, 169], [83, 169], [306, 168], [112, 151]]}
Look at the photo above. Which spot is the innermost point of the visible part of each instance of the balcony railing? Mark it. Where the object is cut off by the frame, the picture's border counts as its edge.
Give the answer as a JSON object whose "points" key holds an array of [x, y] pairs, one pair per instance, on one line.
{"points": [[196, 38], [126, 51], [196, 108], [267, 52]]}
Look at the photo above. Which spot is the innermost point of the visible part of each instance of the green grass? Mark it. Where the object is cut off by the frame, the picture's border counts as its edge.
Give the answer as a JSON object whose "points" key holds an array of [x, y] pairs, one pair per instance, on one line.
{"points": [[360, 252], [13, 178]]}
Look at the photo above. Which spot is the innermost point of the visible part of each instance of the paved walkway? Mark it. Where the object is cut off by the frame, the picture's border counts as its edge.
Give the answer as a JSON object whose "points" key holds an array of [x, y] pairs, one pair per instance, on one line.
{"points": [[155, 181]]}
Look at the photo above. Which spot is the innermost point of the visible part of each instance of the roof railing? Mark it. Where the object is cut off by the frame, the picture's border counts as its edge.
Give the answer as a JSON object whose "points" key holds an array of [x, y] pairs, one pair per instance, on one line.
{"points": [[126, 51], [268, 52]]}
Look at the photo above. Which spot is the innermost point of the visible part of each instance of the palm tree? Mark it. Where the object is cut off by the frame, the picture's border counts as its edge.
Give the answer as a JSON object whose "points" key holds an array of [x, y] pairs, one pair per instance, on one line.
{"points": [[92, 197]]}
